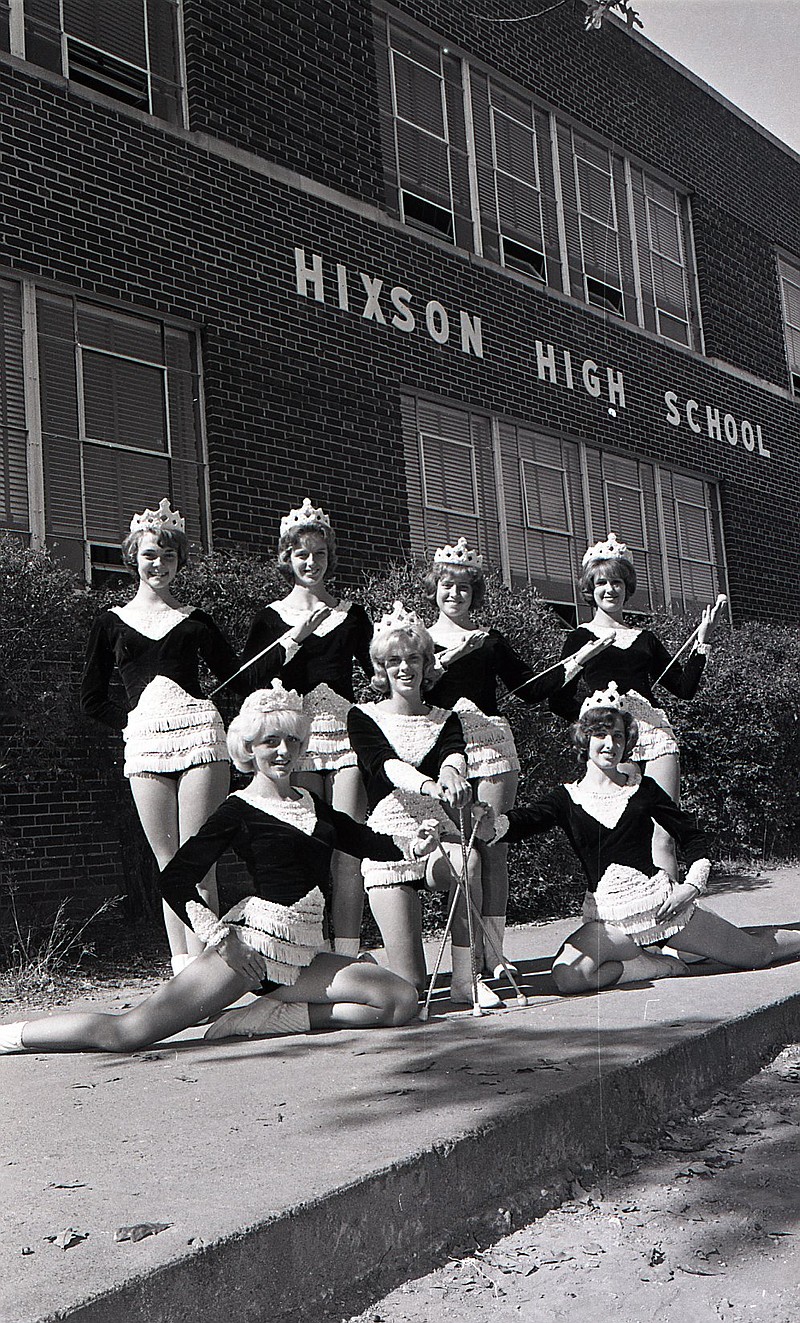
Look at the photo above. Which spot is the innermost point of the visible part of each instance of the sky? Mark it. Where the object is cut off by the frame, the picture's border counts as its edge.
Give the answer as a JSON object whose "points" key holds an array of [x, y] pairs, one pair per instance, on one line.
{"points": [[749, 50]]}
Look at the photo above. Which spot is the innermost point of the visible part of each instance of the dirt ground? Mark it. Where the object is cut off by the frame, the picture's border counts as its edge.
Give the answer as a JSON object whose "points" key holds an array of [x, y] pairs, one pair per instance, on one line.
{"points": [[705, 1228]]}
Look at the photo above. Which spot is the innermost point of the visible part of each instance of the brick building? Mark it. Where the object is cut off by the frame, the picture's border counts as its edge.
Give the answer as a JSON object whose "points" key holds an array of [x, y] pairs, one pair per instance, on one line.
{"points": [[445, 272]]}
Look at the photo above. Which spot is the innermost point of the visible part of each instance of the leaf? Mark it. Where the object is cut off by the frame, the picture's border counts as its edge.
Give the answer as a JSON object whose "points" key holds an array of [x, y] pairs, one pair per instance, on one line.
{"points": [[67, 1238], [140, 1230]]}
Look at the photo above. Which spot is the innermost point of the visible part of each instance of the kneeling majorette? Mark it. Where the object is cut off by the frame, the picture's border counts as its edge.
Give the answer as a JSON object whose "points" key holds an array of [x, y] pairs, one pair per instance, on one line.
{"points": [[412, 756], [272, 942], [311, 639], [636, 660], [473, 661], [630, 904], [175, 752]]}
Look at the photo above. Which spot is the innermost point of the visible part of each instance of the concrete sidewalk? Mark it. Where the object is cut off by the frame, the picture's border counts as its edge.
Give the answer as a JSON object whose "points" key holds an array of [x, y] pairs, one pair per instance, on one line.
{"points": [[297, 1171]]}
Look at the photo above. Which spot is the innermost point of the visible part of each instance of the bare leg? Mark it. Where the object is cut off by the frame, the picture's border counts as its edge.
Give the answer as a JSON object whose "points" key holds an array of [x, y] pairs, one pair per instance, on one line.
{"points": [[595, 956], [500, 792], [202, 990], [201, 790], [666, 771], [156, 800], [439, 876], [708, 935], [397, 912], [343, 992], [347, 909]]}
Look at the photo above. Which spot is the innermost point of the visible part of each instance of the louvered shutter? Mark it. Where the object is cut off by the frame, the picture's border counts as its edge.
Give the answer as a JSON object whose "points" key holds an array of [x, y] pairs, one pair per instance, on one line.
{"points": [[450, 478], [13, 462]]}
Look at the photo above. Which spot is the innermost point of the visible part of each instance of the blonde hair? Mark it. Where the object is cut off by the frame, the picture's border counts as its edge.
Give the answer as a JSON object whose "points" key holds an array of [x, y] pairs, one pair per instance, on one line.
{"points": [[250, 727], [381, 647]]}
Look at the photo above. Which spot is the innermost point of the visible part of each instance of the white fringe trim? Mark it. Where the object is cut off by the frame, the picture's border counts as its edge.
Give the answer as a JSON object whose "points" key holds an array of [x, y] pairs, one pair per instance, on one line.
{"points": [[289, 936], [628, 899], [656, 736], [491, 750]]}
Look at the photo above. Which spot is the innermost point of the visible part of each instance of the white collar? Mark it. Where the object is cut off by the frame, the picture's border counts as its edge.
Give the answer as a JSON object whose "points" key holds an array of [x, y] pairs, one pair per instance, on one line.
{"points": [[605, 805], [624, 638], [299, 813], [411, 736], [152, 624], [329, 624]]}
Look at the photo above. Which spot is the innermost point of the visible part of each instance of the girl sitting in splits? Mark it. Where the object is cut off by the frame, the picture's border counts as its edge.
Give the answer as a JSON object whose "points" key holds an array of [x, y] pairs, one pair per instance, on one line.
{"points": [[272, 942], [474, 661], [411, 756], [608, 817]]}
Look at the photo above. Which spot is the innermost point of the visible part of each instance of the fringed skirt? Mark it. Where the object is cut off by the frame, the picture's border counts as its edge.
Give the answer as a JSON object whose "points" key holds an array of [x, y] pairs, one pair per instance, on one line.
{"points": [[656, 736], [628, 899], [329, 748], [399, 815], [169, 731], [491, 750], [288, 936]]}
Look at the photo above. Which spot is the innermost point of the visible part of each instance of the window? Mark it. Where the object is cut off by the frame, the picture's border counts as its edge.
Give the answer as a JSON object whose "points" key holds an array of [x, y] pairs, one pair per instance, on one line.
{"points": [[424, 134], [450, 477], [790, 296], [114, 425], [129, 49], [518, 186], [533, 503]]}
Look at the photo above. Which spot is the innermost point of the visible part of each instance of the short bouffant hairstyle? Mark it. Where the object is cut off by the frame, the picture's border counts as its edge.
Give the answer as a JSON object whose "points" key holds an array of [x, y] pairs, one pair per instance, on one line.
{"points": [[463, 573], [251, 726], [615, 568], [290, 540], [381, 648], [169, 539], [598, 721]]}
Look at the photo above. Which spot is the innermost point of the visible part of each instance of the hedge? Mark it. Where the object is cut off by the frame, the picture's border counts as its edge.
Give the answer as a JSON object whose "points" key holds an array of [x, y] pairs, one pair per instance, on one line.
{"points": [[740, 756]]}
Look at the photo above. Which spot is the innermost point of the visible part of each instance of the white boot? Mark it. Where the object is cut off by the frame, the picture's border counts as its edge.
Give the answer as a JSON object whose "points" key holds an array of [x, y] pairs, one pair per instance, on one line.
{"points": [[494, 934], [645, 967], [262, 1018], [11, 1038], [461, 983], [179, 962], [346, 946]]}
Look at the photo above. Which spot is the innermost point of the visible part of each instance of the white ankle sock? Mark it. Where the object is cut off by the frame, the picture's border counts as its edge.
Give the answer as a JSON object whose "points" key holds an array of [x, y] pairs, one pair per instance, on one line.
{"points": [[262, 1018], [346, 946], [461, 984], [494, 936], [11, 1037]]}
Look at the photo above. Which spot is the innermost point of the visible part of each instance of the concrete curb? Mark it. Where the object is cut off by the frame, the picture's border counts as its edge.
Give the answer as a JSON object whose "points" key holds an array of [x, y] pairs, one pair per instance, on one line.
{"points": [[365, 1238]]}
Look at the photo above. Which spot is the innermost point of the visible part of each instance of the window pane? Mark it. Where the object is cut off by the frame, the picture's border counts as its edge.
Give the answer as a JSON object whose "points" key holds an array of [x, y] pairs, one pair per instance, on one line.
{"points": [[123, 401], [545, 501], [448, 480], [117, 483], [119, 334], [515, 149], [117, 27], [419, 95]]}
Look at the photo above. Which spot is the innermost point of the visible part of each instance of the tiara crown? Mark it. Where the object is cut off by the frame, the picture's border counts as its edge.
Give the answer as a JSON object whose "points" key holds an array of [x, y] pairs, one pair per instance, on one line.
{"points": [[611, 549], [398, 618], [157, 521], [274, 699], [459, 554], [305, 516], [609, 699]]}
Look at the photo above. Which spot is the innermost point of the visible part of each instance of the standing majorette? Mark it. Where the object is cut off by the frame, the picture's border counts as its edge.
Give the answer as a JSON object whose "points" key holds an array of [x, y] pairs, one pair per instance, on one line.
{"points": [[271, 942], [630, 904], [636, 661], [473, 660], [176, 756], [311, 639], [412, 756]]}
